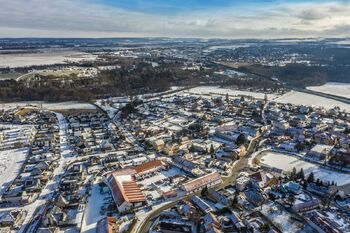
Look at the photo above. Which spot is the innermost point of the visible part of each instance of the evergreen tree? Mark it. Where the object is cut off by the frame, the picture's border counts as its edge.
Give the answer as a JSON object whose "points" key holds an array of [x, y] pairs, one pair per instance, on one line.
{"points": [[310, 178], [305, 184], [318, 182], [293, 175], [240, 140], [192, 149], [212, 149], [204, 191], [301, 174]]}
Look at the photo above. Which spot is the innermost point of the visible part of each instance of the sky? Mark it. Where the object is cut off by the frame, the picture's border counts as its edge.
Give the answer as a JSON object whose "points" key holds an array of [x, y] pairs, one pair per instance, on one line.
{"points": [[175, 18]]}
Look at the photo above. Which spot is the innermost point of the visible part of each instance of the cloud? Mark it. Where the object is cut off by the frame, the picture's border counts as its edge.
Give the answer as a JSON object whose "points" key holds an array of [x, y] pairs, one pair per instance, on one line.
{"points": [[82, 18], [311, 15]]}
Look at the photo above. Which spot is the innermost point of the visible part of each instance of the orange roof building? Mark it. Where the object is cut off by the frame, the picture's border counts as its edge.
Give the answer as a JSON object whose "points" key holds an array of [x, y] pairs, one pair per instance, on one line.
{"points": [[126, 193], [148, 166]]}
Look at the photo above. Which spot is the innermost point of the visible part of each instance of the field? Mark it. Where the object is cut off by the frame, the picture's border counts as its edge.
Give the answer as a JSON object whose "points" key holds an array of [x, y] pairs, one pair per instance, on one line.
{"points": [[206, 90], [12, 157], [10, 163], [299, 98], [51, 106], [286, 163], [46, 58], [10, 76], [339, 89]]}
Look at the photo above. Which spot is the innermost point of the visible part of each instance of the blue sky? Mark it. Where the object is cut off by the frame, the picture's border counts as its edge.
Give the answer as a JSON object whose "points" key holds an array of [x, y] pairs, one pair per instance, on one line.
{"points": [[167, 6], [175, 18], [175, 6]]}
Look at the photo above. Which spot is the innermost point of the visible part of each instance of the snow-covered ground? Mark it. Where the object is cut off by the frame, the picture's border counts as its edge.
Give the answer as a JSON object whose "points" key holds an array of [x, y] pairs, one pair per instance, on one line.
{"points": [[333, 88], [287, 162], [92, 212], [10, 163], [11, 157], [51, 106], [45, 58], [299, 98], [205, 90], [282, 219]]}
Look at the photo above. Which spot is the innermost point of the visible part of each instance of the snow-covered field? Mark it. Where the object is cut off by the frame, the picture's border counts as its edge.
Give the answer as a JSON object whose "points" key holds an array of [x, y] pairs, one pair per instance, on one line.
{"points": [[333, 88], [46, 58], [10, 164], [51, 106], [299, 98], [287, 162], [283, 219], [205, 90]]}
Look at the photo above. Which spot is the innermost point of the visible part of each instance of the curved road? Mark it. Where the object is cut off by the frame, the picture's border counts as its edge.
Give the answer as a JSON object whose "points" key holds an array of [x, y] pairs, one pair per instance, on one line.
{"points": [[144, 225]]}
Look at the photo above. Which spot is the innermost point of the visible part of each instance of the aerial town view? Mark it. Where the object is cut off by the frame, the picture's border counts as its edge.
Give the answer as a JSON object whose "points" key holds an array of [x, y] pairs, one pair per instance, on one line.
{"points": [[174, 116]]}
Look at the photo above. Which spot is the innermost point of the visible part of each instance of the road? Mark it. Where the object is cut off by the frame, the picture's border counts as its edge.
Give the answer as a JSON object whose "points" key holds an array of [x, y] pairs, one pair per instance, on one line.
{"points": [[143, 225], [38, 207], [128, 135], [307, 91]]}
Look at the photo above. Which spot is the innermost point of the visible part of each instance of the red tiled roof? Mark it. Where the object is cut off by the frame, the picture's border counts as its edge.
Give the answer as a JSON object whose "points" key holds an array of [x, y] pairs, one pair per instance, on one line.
{"points": [[125, 191], [148, 166]]}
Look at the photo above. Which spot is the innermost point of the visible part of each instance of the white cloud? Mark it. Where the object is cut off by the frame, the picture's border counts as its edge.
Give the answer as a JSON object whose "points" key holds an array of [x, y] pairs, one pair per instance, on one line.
{"points": [[80, 18]]}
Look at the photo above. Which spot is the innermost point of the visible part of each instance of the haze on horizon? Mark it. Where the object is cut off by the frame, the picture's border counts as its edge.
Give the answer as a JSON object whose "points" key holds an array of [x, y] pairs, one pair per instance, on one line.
{"points": [[175, 18]]}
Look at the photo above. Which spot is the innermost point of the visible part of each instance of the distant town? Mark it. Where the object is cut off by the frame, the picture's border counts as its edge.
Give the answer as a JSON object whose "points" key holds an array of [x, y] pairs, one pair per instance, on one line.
{"points": [[174, 136]]}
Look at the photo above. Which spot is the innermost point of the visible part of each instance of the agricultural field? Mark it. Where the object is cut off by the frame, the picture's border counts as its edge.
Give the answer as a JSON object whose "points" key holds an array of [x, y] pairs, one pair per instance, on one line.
{"points": [[207, 90], [69, 105], [45, 58], [339, 89], [299, 98]]}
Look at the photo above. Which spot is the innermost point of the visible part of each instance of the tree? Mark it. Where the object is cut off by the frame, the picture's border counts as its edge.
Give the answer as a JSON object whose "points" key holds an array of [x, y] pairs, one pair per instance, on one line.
{"points": [[204, 191], [293, 175], [265, 227], [305, 184], [192, 149], [211, 149], [235, 201], [291, 199], [227, 98], [318, 182], [299, 147], [240, 140], [310, 178], [301, 174]]}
